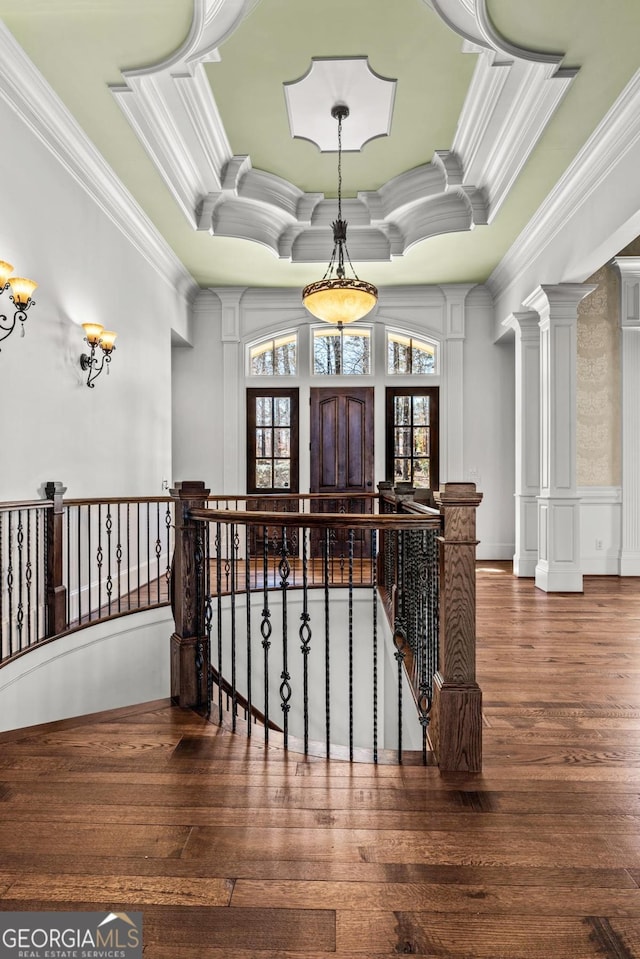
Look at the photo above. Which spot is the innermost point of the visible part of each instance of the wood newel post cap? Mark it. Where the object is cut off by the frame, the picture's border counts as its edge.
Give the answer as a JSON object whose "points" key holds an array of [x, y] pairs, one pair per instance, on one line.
{"points": [[190, 490], [53, 489], [404, 493], [384, 486], [457, 494]]}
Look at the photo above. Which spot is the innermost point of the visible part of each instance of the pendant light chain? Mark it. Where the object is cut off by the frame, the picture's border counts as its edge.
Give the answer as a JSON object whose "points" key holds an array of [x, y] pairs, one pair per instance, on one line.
{"points": [[339, 299]]}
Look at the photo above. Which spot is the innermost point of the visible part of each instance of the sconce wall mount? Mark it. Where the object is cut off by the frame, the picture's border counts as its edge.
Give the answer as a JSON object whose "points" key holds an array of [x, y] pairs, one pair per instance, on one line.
{"points": [[21, 290], [96, 336]]}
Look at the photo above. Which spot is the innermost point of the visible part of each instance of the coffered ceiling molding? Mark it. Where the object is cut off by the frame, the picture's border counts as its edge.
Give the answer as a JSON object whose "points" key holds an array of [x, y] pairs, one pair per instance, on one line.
{"points": [[172, 109], [350, 82], [512, 97], [258, 206]]}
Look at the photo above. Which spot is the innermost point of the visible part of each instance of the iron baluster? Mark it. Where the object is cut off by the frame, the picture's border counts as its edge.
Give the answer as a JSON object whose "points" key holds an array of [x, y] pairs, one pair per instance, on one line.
{"points": [[305, 641], [67, 521], [148, 538], [167, 523], [208, 620], [218, 545], [266, 628], [400, 635], [28, 575], [350, 642], [79, 548], [119, 558], [327, 675], [247, 570], [109, 584], [199, 561], [20, 608], [284, 568], [235, 543], [128, 556], [158, 551], [374, 612], [99, 558], [10, 579]]}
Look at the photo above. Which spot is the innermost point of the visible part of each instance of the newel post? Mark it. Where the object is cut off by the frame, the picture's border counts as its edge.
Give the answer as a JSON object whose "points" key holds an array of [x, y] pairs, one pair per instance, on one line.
{"points": [[186, 688], [56, 590], [456, 724]]}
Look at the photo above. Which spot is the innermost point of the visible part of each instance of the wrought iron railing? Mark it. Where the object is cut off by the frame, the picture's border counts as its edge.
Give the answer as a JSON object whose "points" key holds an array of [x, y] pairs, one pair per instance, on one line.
{"points": [[66, 563], [289, 616]]}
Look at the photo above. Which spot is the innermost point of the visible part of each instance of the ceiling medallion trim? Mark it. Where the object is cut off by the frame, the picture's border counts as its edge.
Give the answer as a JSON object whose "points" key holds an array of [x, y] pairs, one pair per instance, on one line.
{"points": [[330, 80]]}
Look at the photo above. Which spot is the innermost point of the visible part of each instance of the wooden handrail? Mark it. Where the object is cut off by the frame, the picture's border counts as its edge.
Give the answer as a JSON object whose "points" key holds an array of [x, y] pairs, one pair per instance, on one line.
{"points": [[388, 521]]}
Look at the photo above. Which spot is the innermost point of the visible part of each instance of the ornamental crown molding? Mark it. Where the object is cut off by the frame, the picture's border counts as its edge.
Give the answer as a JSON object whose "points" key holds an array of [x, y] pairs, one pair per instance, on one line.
{"points": [[26, 91], [172, 109]]}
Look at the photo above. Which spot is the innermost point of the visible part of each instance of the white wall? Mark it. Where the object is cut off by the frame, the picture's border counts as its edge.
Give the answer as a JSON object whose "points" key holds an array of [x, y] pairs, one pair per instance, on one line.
{"points": [[116, 663], [489, 427], [114, 439]]}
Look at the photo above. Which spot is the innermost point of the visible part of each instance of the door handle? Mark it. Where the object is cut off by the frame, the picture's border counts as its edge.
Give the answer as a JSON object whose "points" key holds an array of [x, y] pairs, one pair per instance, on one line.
{"points": [[369, 483]]}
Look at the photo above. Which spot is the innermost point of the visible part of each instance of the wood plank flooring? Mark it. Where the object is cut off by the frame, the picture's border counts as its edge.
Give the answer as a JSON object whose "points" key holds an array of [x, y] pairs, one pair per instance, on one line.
{"points": [[234, 851]]}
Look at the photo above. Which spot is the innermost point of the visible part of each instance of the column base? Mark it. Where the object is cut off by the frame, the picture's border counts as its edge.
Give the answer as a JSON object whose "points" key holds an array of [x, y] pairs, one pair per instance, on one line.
{"points": [[558, 580], [629, 563], [456, 726], [524, 566]]}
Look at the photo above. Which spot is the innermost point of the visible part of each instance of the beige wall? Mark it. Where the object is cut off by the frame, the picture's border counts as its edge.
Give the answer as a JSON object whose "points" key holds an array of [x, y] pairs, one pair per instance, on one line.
{"points": [[598, 438]]}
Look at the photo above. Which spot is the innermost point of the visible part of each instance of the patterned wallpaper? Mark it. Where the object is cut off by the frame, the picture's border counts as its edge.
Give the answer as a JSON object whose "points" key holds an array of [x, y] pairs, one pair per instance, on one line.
{"points": [[598, 440]]}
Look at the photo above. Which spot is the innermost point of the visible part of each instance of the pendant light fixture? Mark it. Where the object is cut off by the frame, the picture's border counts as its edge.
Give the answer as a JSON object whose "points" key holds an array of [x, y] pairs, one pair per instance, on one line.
{"points": [[337, 298]]}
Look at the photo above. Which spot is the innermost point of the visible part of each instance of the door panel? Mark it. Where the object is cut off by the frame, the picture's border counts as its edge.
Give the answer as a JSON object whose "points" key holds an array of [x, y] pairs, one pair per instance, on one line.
{"points": [[342, 457], [342, 440]]}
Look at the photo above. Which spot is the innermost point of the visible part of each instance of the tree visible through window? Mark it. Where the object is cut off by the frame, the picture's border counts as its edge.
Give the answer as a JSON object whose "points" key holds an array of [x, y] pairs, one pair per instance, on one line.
{"points": [[276, 357], [342, 352], [412, 436], [408, 355], [272, 440]]}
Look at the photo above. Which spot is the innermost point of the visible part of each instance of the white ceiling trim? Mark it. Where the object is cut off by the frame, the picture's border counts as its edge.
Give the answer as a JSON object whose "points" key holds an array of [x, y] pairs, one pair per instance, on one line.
{"points": [[27, 92], [616, 135], [423, 202], [506, 111], [513, 95]]}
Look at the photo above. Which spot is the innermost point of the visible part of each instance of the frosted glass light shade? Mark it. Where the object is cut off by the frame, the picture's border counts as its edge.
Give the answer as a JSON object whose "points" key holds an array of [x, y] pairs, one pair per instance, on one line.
{"points": [[107, 339], [340, 300], [21, 289], [6, 269], [93, 332]]}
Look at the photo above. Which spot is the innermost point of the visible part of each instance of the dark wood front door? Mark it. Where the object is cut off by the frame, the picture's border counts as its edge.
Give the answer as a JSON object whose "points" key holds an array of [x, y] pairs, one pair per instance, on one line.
{"points": [[342, 460]]}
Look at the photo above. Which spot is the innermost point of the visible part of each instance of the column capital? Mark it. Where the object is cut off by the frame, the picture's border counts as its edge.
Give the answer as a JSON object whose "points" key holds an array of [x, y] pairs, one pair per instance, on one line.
{"points": [[526, 324], [559, 300], [230, 321]]}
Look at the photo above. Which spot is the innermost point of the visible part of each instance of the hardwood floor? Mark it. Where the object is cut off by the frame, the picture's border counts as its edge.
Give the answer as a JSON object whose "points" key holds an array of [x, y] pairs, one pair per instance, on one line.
{"points": [[230, 850]]}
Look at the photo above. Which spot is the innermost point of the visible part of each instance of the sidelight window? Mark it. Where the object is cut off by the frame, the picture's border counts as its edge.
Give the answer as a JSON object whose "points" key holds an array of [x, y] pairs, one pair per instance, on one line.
{"points": [[412, 436], [272, 441]]}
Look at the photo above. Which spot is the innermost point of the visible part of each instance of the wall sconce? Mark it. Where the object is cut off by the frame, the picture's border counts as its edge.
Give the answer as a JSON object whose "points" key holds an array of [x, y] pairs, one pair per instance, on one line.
{"points": [[21, 290], [97, 336]]}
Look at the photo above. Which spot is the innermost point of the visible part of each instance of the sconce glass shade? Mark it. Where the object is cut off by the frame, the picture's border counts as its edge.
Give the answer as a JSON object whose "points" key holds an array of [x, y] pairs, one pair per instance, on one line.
{"points": [[340, 300], [107, 339], [93, 332], [6, 269], [21, 289]]}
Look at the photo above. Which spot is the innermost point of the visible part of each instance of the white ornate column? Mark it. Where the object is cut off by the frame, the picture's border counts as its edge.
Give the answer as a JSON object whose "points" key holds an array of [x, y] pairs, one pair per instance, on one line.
{"points": [[233, 423], [629, 267], [527, 331], [452, 437], [558, 568]]}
